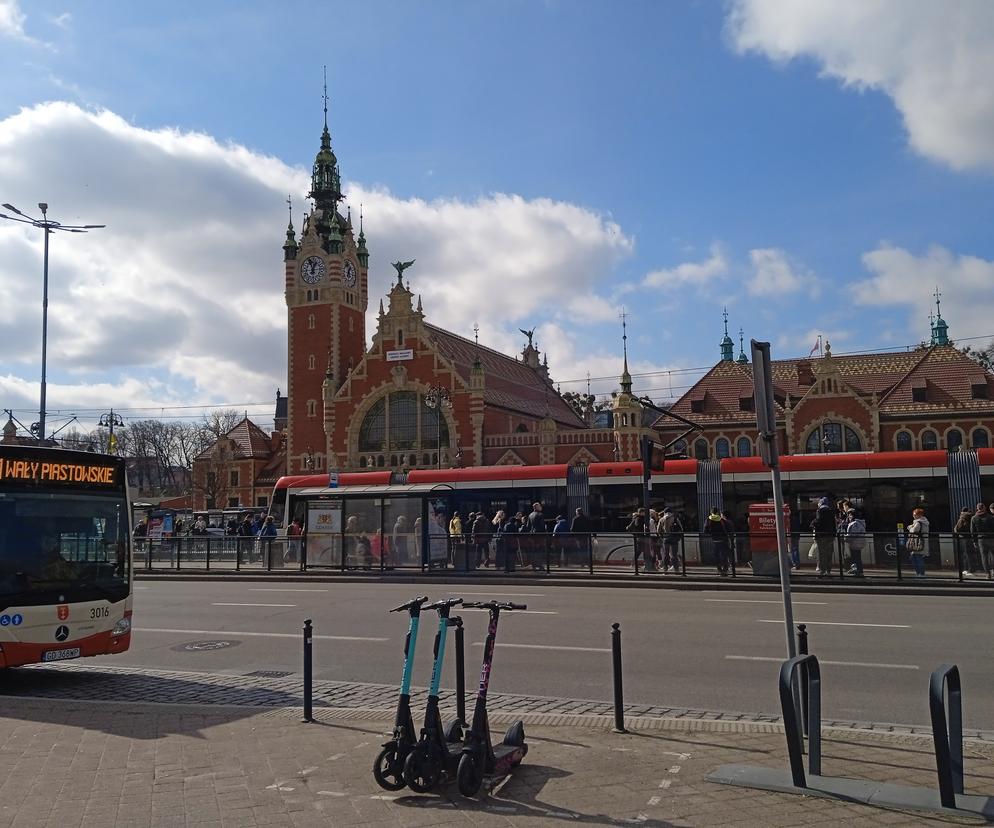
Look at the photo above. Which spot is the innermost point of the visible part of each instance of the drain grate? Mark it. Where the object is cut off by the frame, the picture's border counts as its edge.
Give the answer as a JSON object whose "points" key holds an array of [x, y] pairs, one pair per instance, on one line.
{"points": [[269, 674]]}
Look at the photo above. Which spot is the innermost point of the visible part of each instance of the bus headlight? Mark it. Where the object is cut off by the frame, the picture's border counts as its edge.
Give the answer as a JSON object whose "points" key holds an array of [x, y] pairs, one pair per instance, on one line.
{"points": [[122, 627]]}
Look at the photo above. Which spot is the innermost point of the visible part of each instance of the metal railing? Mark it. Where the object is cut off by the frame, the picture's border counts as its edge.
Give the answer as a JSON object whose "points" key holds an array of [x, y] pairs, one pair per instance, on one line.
{"points": [[884, 555]]}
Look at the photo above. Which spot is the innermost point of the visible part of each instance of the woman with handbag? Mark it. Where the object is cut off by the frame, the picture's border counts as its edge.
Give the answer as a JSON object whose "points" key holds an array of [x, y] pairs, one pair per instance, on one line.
{"points": [[917, 542]]}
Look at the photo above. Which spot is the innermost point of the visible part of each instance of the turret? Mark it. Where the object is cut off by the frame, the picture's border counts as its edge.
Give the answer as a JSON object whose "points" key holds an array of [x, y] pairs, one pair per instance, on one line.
{"points": [[727, 346], [940, 330]]}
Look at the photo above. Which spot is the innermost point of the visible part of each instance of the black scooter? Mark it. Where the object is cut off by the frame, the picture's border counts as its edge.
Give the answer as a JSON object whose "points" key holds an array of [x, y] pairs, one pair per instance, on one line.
{"points": [[438, 750], [479, 755], [388, 767]]}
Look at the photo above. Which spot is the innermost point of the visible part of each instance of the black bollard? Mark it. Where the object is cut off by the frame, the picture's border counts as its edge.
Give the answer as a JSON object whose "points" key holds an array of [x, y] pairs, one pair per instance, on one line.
{"points": [[308, 672], [619, 704], [460, 674], [802, 649]]}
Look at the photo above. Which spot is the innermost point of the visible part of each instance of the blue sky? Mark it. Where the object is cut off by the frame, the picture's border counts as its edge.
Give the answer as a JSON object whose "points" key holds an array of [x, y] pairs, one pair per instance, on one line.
{"points": [[817, 167]]}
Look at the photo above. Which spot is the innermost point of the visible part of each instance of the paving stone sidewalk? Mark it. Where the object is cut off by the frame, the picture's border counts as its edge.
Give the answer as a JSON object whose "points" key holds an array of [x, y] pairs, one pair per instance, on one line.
{"points": [[267, 689], [100, 763]]}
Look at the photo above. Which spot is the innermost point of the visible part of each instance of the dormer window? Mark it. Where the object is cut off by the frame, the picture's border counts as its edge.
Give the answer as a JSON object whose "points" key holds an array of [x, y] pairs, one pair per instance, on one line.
{"points": [[747, 403], [919, 391], [978, 387], [697, 406]]}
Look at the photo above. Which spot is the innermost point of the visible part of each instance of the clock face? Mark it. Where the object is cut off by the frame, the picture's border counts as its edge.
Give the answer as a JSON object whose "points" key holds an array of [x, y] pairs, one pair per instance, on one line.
{"points": [[348, 274], [312, 269]]}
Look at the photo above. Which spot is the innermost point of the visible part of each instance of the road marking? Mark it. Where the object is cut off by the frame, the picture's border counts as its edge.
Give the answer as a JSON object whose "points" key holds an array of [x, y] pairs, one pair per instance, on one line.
{"points": [[242, 633], [287, 589], [682, 756], [762, 601], [330, 793], [665, 783], [335, 757], [548, 647], [386, 797], [834, 663], [513, 594], [654, 801], [516, 612], [306, 771], [229, 604], [836, 623], [674, 769]]}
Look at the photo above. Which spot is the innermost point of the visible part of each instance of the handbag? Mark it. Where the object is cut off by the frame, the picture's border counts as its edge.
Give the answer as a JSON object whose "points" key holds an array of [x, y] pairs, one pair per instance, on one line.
{"points": [[813, 550], [915, 544]]}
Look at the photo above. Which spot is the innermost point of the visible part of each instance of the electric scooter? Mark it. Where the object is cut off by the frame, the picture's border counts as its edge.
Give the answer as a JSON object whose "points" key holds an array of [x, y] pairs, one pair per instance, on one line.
{"points": [[388, 767], [479, 755], [438, 750]]}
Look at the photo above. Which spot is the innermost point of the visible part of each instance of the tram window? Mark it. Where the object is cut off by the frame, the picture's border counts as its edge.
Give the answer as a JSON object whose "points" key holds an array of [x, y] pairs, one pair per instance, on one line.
{"points": [[904, 441], [743, 447], [722, 448], [954, 439], [930, 440], [980, 438]]}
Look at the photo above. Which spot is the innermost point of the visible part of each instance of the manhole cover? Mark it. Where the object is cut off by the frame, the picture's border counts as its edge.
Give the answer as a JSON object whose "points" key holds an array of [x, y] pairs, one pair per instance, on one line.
{"points": [[269, 674], [204, 646]]}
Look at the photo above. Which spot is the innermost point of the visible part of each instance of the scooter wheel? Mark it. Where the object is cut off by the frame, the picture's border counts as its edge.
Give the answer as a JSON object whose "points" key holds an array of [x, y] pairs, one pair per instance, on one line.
{"points": [[388, 769], [515, 735], [453, 731], [422, 772], [469, 775]]}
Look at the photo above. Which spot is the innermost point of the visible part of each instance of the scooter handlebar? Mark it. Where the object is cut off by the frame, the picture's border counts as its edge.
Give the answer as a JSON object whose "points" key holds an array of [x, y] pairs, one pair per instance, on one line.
{"points": [[445, 602], [502, 605], [416, 602]]}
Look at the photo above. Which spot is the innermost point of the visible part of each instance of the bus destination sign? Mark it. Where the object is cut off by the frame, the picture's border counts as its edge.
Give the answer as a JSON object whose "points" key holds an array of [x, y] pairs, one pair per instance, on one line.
{"points": [[44, 471]]}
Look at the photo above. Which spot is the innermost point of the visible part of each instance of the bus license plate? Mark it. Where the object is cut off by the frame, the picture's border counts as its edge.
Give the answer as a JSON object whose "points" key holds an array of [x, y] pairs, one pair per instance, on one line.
{"points": [[60, 655]]}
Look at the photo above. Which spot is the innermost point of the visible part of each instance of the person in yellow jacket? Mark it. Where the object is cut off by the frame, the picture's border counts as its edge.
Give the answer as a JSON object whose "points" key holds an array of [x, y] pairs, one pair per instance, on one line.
{"points": [[455, 535]]}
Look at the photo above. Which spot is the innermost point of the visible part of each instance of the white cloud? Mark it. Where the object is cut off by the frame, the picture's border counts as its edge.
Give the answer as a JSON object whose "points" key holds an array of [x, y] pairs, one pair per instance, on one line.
{"points": [[63, 21], [902, 278], [933, 59], [774, 274], [11, 19], [182, 292], [690, 273]]}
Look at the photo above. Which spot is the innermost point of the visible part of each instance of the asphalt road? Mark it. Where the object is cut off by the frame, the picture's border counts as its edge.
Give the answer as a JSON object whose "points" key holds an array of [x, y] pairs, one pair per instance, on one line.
{"points": [[709, 650]]}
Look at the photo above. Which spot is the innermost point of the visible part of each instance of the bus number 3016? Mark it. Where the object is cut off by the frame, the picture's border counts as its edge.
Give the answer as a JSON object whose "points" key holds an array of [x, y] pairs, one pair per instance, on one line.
{"points": [[99, 612]]}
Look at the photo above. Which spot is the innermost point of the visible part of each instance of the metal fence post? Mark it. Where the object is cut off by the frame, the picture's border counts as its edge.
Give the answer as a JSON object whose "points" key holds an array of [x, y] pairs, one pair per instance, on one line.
{"points": [[460, 672], [308, 670], [269, 552], [897, 553], [683, 555], [619, 704]]}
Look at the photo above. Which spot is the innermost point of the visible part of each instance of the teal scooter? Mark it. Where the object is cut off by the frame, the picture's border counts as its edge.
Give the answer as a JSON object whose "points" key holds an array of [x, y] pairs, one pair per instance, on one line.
{"points": [[437, 752], [388, 767]]}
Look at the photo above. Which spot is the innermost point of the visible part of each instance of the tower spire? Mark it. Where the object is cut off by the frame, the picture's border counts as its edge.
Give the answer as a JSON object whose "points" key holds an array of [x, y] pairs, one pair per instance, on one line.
{"points": [[626, 378], [940, 330], [326, 181], [727, 346], [325, 97], [290, 245], [743, 359]]}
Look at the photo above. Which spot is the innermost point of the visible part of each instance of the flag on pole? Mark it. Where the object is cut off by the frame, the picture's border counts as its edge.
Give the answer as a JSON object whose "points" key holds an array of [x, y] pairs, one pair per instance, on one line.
{"points": [[816, 348], [112, 444]]}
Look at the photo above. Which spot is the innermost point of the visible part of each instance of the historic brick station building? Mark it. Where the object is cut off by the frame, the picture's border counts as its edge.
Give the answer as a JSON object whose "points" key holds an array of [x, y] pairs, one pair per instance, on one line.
{"points": [[420, 396]]}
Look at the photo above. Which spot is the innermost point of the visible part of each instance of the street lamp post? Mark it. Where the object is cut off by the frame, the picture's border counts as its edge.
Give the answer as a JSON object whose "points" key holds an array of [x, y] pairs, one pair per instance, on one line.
{"points": [[826, 441], [109, 421], [437, 398], [49, 226]]}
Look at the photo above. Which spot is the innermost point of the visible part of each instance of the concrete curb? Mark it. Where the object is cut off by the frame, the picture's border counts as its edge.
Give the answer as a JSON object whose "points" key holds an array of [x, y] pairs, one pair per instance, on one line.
{"points": [[742, 584]]}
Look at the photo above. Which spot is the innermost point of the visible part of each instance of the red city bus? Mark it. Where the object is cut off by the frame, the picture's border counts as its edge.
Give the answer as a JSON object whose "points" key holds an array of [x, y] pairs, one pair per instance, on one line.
{"points": [[65, 555]]}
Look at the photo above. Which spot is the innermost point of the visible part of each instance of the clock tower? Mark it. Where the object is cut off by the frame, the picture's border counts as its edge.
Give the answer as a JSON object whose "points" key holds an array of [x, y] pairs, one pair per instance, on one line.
{"points": [[326, 298]]}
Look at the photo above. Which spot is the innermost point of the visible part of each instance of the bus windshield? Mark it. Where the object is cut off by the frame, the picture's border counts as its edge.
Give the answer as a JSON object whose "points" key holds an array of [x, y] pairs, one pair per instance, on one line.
{"points": [[62, 548]]}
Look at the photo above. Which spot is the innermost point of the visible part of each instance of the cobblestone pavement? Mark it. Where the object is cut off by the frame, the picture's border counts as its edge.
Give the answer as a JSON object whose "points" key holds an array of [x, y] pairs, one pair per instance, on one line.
{"points": [[73, 763], [263, 690]]}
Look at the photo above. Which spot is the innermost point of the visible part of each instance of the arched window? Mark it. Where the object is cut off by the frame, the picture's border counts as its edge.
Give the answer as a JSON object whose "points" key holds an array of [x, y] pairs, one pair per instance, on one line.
{"points": [[722, 448], [312, 408], [400, 338], [930, 440], [701, 450], [903, 441], [980, 438], [832, 437], [743, 447], [311, 362], [680, 448], [310, 321], [402, 422], [954, 439]]}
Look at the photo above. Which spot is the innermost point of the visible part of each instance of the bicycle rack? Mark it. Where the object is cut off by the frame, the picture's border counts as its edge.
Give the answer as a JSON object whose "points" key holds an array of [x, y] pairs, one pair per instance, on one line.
{"points": [[947, 731], [807, 667], [946, 708]]}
